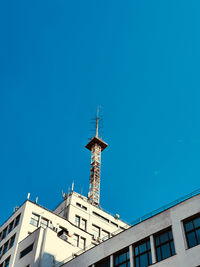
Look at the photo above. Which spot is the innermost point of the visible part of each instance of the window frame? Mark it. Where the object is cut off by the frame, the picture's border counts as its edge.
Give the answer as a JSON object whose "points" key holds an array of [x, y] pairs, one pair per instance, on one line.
{"points": [[194, 230], [26, 251], [34, 220], [139, 254], [118, 254], [161, 244]]}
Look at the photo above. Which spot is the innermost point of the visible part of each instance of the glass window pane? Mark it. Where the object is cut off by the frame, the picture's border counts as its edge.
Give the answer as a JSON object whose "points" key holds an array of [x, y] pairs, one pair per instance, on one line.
{"points": [[170, 235], [158, 254], [137, 263], [127, 255], [122, 257], [197, 222], [164, 237], [165, 251], [148, 245], [136, 251], [150, 258], [189, 226], [143, 260], [142, 248], [191, 240], [172, 247], [157, 241], [198, 235]]}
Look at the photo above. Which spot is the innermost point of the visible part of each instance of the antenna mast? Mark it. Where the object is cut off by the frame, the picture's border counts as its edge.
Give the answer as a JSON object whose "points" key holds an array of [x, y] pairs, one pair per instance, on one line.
{"points": [[96, 146]]}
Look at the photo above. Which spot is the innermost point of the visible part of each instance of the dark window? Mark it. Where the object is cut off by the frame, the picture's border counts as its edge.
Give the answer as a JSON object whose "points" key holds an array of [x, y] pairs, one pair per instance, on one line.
{"points": [[12, 241], [83, 207], [164, 245], [1, 249], [5, 248], [192, 231], [26, 251], [103, 263], [142, 254], [4, 233], [7, 261], [122, 259], [78, 204], [11, 226], [17, 220], [35, 219]]}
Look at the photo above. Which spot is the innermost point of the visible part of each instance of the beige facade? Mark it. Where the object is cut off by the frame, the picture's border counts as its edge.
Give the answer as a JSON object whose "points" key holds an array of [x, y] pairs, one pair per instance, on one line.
{"points": [[35, 236]]}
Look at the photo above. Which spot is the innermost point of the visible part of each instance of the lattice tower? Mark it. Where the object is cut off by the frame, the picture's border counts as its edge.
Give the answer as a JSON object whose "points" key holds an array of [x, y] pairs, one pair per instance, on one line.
{"points": [[96, 146]]}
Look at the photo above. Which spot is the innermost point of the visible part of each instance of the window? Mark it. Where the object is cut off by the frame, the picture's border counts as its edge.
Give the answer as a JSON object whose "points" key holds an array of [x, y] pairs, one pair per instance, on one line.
{"points": [[35, 219], [44, 223], [121, 259], [77, 220], [11, 226], [4, 233], [5, 248], [1, 249], [83, 224], [78, 204], [26, 251], [192, 231], [17, 220], [104, 235], [103, 263], [164, 245], [95, 231], [12, 241], [7, 261], [82, 243], [142, 254], [76, 240], [83, 207]]}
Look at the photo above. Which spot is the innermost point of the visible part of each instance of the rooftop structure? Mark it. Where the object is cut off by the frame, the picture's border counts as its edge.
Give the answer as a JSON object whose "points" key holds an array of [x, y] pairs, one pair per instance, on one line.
{"points": [[96, 146]]}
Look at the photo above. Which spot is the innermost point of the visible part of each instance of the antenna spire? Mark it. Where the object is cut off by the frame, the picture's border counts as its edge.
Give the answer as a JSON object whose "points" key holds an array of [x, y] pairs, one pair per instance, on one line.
{"points": [[97, 121], [96, 146]]}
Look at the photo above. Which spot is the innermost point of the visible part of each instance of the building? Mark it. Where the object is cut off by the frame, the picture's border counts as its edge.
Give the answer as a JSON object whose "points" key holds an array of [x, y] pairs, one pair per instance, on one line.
{"points": [[79, 233], [168, 237], [36, 236]]}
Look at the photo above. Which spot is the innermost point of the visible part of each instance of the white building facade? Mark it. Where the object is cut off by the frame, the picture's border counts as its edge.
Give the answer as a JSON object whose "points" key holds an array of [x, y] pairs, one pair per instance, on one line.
{"points": [[168, 238], [35, 236]]}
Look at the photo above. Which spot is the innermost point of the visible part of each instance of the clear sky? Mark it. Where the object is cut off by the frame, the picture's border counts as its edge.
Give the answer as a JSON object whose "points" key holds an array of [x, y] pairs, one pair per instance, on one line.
{"points": [[138, 59]]}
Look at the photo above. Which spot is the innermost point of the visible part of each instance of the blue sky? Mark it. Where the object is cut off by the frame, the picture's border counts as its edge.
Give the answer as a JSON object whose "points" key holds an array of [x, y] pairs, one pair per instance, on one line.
{"points": [[140, 60]]}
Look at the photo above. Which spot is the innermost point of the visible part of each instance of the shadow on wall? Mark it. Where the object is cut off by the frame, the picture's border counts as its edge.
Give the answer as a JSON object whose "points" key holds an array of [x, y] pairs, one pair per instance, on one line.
{"points": [[47, 260]]}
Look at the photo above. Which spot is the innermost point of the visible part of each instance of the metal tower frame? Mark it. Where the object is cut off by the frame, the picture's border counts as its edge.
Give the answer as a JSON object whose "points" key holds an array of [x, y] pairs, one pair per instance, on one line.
{"points": [[96, 146]]}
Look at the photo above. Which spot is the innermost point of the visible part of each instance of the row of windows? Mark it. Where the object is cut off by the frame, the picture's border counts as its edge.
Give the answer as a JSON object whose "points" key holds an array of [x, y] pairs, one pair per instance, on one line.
{"points": [[5, 263], [80, 222], [35, 218], [164, 246], [99, 233], [79, 241], [105, 219], [9, 228], [142, 252], [9, 244], [81, 206]]}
